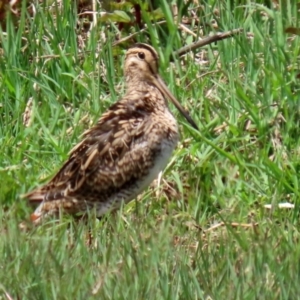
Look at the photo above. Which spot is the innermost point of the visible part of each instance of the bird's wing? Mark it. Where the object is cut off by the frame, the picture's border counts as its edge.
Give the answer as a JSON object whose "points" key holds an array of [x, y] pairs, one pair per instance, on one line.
{"points": [[113, 154]]}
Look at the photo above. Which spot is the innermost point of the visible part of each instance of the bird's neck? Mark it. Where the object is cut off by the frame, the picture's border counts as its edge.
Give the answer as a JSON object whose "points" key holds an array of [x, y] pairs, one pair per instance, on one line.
{"points": [[149, 94], [136, 83]]}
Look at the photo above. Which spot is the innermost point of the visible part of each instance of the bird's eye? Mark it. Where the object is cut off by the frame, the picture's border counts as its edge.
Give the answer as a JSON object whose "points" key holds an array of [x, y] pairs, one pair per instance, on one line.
{"points": [[141, 55]]}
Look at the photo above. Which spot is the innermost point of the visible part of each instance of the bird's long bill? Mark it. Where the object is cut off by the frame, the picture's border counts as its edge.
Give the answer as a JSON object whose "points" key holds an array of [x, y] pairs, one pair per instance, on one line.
{"points": [[166, 92]]}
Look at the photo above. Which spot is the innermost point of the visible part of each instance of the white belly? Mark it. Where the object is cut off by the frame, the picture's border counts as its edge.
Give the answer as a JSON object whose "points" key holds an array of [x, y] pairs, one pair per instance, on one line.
{"points": [[161, 162]]}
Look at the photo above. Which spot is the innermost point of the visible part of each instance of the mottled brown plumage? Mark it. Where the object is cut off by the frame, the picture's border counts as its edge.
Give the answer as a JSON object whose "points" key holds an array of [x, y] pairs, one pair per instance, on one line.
{"points": [[123, 153]]}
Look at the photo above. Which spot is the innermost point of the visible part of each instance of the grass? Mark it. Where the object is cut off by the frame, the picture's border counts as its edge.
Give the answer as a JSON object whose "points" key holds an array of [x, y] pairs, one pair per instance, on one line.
{"points": [[245, 98]]}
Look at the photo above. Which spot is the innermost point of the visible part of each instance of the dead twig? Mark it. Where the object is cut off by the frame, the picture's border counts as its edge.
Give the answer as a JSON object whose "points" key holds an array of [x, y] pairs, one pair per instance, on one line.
{"points": [[129, 37], [206, 41], [187, 30], [233, 224]]}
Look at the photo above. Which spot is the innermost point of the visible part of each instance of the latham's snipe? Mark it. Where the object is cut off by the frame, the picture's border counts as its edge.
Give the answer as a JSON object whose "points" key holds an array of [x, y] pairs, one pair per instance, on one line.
{"points": [[123, 153]]}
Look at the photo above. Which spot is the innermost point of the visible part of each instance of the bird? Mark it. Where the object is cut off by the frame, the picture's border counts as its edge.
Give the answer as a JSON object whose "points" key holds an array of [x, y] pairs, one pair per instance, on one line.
{"points": [[123, 152]]}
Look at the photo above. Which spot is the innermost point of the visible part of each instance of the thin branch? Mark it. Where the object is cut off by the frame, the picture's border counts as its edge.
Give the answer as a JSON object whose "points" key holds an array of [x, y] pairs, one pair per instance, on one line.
{"points": [[206, 41], [233, 224], [134, 34]]}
